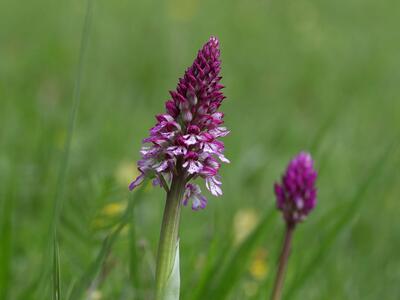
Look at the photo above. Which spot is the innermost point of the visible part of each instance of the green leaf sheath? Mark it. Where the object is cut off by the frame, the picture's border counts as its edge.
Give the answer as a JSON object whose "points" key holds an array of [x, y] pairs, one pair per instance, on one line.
{"points": [[169, 235]]}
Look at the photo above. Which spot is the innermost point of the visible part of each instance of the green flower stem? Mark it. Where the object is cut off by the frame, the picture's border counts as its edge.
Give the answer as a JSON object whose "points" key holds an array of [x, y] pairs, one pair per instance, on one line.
{"points": [[169, 234], [283, 260]]}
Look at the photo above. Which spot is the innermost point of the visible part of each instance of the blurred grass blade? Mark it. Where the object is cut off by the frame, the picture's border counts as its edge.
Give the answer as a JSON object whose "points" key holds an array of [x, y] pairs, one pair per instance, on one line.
{"points": [[90, 274], [329, 121], [56, 270], [38, 283], [173, 283], [220, 284], [73, 116], [8, 198], [338, 227], [92, 271], [134, 272], [215, 258], [6, 212], [81, 286]]}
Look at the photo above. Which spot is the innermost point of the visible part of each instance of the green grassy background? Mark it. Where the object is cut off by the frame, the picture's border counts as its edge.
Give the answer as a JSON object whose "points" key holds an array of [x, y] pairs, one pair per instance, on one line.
{"points": [[315, 75]]}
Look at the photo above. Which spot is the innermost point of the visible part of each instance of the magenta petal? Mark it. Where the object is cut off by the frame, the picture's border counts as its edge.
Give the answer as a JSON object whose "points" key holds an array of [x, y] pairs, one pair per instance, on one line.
{"points": [[136, 182]]}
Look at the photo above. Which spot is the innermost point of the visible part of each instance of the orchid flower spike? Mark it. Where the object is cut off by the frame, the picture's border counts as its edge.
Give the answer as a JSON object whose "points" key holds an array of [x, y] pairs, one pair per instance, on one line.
{"points": [[297, 195], [185, 141]]}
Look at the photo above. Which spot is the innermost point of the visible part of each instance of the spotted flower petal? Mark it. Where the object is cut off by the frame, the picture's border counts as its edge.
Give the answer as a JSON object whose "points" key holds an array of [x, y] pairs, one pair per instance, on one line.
{"points": [[193, 193]]}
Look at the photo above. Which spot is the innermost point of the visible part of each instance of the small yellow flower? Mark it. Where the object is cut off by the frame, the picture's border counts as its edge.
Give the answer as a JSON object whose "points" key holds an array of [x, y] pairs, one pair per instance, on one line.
{"points": [[259, 267], [95, 295], [113, 209], [125, 173], [108, 213], [244, 222]]}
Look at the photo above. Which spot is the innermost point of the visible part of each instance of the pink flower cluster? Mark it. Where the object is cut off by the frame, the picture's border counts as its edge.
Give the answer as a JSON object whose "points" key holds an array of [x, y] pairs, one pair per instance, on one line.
{"points": [[185, 141], [297, 194]]}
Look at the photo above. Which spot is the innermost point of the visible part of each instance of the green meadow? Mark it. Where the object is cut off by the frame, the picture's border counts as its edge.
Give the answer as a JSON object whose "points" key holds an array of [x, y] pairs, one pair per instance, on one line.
{"points": [[79, 87]]}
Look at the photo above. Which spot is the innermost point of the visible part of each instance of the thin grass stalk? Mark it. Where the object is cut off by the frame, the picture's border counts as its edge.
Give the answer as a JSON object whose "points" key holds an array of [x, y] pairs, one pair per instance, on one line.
{"points": [[73, 116], [66, 151], [133, 252], [6, 238], [56, 270], [90, 274]]}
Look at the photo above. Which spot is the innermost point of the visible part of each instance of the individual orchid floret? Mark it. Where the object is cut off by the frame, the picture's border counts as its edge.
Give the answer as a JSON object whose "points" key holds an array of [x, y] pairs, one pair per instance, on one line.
{"points": [[193, 193], [185, 142], [296, 194]]}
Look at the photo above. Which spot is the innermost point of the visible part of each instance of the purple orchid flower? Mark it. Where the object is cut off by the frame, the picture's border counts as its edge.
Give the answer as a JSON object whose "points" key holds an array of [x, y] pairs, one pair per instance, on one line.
{"points": [[185, 140], [296, 194]]}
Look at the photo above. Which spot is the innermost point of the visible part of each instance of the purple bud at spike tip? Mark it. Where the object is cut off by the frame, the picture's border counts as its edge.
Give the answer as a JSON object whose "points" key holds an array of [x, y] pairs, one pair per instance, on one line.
{"points": [[297, 195], [186, 138]]}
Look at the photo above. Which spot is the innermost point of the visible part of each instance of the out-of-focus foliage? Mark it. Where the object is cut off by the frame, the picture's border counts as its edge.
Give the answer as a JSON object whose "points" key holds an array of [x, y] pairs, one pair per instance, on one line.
{"points": [[300, 75]]}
